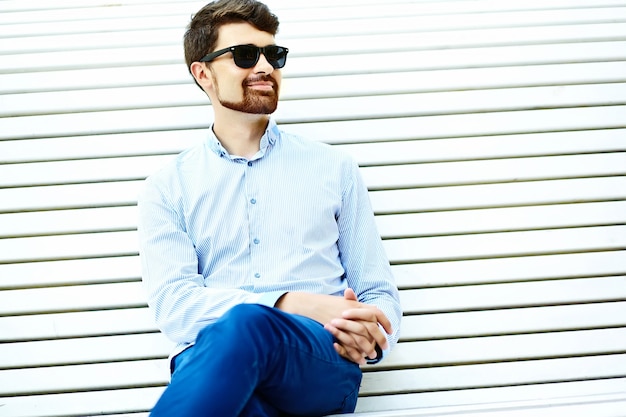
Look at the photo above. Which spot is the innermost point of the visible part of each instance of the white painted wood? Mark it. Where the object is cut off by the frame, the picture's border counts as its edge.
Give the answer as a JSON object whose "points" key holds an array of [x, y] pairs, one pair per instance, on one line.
{"points": [[512, 269], [491, 136], [77, 324], [513, 321], [510, 295]]}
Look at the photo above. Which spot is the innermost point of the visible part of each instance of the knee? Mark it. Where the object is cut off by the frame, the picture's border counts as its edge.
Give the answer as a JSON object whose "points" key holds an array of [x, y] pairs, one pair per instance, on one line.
{"points": [[247, 315], [241, 321], [243, 326]]}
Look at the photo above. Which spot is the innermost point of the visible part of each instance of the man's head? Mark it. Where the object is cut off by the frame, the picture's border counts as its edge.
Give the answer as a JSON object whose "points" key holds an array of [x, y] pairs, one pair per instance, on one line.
{"points": [[228, 23]]}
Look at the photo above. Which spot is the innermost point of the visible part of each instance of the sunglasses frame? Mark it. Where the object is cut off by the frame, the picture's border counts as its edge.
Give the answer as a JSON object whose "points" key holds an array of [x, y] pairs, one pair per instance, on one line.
{"points": [[259, 50]]}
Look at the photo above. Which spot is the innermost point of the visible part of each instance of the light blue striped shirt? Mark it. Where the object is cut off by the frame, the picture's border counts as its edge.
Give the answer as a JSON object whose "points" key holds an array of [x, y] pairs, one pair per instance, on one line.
{"points": [[218, 230]]}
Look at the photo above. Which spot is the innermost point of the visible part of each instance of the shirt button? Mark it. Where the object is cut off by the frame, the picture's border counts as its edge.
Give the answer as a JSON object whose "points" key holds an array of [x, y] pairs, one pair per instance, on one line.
{"points": [[257, 275], [253, 201], [257, 241], [249, 164]]}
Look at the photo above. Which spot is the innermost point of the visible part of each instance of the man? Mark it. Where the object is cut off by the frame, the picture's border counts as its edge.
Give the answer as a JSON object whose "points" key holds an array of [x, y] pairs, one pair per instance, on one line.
{"points": [[259, 248]]}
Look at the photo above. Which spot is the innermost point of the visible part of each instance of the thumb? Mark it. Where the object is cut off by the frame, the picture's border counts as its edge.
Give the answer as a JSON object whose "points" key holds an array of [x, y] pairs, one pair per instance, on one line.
{"points": [[349, 294]]}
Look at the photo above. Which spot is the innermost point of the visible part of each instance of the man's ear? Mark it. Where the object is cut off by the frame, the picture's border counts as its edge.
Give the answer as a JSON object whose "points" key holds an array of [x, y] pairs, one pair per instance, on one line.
{"points": [[201, 73]]}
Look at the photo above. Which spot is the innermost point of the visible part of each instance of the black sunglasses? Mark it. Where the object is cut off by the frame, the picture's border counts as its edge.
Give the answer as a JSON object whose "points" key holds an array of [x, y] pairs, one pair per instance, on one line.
{"points": [[246, 56]]}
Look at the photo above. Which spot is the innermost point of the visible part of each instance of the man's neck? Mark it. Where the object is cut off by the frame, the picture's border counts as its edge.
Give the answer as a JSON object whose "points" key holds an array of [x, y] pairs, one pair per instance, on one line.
{"points": [[240, 133]]}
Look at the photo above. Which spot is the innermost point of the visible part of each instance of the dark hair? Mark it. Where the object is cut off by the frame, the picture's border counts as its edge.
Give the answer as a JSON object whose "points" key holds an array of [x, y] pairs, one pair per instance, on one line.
{"points": [[201, 35]]}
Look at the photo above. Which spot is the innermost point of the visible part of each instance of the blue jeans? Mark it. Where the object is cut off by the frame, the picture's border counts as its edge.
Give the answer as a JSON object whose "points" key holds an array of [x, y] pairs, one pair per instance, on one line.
{"points": [[260, 361]]}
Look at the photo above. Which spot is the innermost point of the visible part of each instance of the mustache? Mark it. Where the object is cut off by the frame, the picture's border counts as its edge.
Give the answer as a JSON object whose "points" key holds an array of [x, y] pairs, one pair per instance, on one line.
{"points": [[257, 78]]}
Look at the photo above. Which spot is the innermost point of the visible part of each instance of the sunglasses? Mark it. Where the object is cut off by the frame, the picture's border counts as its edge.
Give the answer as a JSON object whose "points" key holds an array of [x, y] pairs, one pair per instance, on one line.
{"points": [[246, 56]]}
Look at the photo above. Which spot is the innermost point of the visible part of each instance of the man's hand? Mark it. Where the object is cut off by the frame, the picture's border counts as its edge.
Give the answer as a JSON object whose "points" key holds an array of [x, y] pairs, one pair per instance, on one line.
{"points": [[358, 331], [355, 325]]}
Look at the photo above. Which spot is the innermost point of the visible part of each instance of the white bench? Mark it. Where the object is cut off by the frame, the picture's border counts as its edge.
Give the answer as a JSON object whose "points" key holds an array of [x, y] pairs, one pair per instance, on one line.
{"points": [[492, 137]]}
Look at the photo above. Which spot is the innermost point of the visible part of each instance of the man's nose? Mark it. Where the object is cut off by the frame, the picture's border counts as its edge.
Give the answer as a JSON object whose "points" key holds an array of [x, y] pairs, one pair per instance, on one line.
{"points": [[263, 65]]}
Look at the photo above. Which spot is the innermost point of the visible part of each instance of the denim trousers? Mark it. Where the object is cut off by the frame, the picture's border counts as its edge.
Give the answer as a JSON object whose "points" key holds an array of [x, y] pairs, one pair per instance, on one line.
{"points": [[259, 361]]}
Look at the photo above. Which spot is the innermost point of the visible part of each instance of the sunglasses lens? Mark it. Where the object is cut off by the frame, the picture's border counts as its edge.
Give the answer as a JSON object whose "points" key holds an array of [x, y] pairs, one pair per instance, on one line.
{"points": [[276, 55], [246, 56]]}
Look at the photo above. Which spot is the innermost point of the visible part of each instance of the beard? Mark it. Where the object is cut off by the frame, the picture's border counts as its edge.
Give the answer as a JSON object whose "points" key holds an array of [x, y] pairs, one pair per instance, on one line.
{"points": [[254, 101]]}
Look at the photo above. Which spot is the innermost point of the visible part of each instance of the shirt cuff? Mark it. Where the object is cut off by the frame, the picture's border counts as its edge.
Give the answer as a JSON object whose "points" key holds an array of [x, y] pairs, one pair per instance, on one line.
{"points": [[380, 354]]}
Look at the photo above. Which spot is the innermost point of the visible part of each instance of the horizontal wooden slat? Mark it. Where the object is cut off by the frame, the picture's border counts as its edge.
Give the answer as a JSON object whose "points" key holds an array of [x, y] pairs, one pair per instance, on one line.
{"points": [[492, 349], [70, 272], [75, 298], [496, 220], [502, 170], [69, 221], [511, 295], [77, 324], [106, 244], [513, 321], [147, 373], [490, 245], [105, 194], [83, 403], [85, 350], [604, 405], [529, 268], [496, 374], [395, 176], [498, 195]]}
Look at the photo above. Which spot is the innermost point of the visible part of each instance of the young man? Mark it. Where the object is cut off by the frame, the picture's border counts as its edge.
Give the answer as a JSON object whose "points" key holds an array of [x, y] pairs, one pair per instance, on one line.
{"points": [[259, 249]]}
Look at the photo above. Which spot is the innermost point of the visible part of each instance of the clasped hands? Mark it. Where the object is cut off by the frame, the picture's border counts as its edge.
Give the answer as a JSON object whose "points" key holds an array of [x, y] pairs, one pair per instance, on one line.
{"points": [[356, 326]]}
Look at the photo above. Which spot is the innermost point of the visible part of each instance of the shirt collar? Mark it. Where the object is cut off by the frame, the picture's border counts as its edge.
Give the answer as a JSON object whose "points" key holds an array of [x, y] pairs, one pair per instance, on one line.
{"points": [[268, 140]]}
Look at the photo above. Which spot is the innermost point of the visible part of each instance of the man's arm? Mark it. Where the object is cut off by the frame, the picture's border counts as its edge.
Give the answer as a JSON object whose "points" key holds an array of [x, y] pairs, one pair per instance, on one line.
{"points": [[367, 270]]}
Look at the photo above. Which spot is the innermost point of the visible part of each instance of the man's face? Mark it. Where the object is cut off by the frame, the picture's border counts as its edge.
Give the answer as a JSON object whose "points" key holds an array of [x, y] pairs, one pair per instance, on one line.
{"points": [[253, 90]]}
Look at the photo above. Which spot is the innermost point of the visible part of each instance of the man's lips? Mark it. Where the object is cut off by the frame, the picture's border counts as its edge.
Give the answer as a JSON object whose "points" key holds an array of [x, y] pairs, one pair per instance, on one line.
{"points": [[261, 85]]}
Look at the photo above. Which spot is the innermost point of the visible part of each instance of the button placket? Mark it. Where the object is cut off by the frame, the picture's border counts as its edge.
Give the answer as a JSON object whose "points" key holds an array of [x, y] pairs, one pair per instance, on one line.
{"points": [[253, 220]]}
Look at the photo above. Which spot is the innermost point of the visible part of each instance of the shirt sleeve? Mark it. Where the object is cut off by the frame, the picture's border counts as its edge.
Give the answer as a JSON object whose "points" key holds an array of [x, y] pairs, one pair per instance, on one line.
{"points": [[367, 268], [181, 303]]}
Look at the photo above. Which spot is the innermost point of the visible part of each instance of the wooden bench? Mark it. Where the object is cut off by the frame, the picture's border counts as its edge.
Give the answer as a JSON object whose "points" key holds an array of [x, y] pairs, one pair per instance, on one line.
{"points": [[492, 137]]}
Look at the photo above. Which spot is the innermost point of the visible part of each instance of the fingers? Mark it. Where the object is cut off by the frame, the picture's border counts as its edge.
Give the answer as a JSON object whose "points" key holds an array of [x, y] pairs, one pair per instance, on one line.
{"points": [[350, 354], [365, 335], [371, 314], [380, 317]]}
